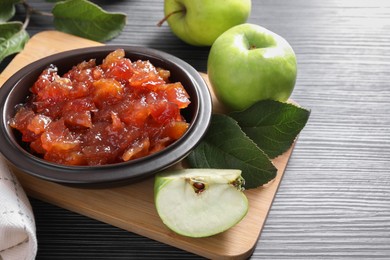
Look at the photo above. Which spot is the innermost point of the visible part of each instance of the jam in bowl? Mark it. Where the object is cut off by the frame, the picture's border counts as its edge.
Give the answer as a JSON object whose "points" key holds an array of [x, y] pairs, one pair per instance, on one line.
{"points": [[107, 114]]}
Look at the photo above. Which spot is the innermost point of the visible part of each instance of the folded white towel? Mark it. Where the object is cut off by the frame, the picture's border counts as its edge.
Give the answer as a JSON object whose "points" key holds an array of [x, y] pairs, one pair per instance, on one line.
{"points": [[17, 225]]}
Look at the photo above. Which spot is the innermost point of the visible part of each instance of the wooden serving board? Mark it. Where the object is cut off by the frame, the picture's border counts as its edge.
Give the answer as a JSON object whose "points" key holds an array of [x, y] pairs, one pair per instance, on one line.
{"points": [[132, 207]]}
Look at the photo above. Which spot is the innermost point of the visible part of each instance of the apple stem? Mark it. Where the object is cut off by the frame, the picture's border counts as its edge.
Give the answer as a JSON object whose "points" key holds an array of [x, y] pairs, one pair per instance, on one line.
{"points": [[169, 15]]}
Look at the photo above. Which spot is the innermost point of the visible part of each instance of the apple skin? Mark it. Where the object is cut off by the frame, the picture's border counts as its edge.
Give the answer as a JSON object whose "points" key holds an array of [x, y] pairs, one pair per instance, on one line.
{"points": [[204, 20], [249, 63]]}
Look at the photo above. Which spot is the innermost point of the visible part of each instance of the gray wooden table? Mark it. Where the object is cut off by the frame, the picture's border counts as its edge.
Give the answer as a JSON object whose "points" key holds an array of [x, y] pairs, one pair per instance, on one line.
{"points": [[334, 200]]}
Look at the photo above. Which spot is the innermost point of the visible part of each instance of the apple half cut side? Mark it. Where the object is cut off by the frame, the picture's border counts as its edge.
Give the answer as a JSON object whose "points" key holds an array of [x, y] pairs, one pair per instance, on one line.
{"points": [[200, 202]]}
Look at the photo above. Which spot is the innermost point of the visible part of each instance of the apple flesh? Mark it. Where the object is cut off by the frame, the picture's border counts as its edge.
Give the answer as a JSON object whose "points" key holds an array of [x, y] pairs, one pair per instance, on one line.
{"points": [[200, 202], [200, 22], [249, 63]]}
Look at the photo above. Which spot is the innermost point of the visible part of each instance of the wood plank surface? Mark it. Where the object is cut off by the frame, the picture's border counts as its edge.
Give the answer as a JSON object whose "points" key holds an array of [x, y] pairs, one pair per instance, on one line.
{"points": [[131, 207], [334, 200]]}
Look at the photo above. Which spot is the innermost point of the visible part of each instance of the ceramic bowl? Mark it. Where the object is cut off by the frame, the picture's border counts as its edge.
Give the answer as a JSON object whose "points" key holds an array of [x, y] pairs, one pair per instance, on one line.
{"points": [[16, 88]]}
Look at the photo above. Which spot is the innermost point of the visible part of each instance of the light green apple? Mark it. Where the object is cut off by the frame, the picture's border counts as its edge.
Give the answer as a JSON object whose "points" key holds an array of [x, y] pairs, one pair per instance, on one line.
{"points": [[200, 202], [200, 22], [248, 63]]}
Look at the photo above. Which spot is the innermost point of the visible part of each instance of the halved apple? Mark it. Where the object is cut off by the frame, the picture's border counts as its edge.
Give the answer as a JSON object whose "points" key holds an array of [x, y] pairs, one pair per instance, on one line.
{"points": [[200, 202]]}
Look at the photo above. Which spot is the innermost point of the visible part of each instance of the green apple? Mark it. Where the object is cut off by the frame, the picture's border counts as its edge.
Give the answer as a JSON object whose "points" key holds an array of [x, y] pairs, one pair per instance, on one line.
{"points": [[200, 22], [249, 63], [200, 202]]}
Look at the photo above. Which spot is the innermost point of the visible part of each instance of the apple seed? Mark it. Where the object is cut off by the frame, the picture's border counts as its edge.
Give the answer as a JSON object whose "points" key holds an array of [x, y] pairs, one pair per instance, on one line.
{"points": [[198, 185]]}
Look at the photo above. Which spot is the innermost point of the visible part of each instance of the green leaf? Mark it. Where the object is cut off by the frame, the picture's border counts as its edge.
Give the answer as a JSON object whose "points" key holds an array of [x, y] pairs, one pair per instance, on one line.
{"points": [[226, 146], [12, 38], [7, 10], [272, 125], [85, 19]]}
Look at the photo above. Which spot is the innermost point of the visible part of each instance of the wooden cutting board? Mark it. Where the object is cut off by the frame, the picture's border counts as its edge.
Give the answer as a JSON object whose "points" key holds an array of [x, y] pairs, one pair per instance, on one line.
{"points": [[131, 207]]}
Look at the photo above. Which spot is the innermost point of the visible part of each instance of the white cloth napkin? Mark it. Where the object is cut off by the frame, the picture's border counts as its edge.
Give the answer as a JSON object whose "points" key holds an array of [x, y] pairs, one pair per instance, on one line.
{"points": [[17, 225]]}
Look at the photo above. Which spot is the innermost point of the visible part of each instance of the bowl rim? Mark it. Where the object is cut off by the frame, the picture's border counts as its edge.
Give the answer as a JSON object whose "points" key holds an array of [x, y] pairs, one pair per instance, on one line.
{"points": [[130, 171]]}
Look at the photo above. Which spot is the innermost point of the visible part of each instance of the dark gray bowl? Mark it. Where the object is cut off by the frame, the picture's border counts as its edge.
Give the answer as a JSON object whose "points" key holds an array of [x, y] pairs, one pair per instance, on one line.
{"points": [[15, 90]]}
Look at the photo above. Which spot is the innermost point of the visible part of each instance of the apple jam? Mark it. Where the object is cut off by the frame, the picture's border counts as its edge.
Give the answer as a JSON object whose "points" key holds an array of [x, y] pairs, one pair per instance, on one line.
{"points": [[94, 114]]}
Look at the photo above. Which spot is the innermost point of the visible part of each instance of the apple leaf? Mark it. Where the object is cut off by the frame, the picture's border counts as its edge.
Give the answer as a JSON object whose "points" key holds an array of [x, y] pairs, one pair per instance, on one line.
{"points": [[88, 20], [7, 9], [226, 146], [272, 125], [13, 38]]}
